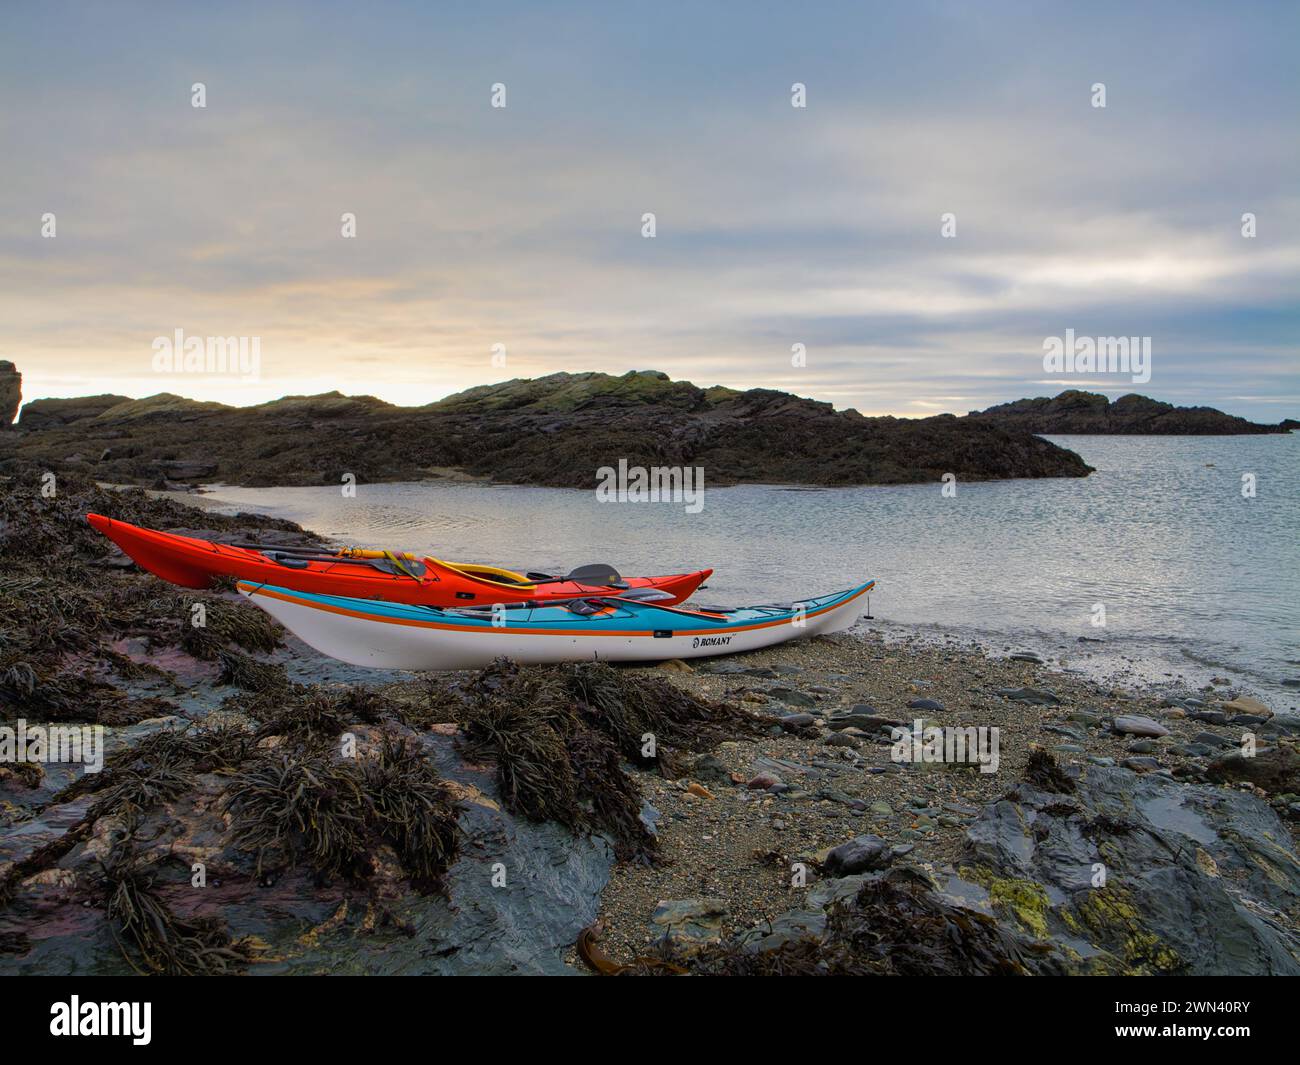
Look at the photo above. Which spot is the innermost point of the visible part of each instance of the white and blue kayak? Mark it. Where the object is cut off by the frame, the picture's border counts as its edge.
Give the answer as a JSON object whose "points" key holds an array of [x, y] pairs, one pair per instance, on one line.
{"points": [[368, 632]]}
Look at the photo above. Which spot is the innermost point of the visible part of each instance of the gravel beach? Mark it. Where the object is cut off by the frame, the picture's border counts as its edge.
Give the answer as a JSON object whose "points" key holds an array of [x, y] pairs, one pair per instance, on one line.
{"points": [[725, 840]]}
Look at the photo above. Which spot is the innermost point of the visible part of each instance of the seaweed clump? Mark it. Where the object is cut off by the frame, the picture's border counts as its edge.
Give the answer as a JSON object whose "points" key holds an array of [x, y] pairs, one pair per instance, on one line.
{"points": [[307, 805], [559, 736], [153, 939], [307, 712], [412, 810], [1045, 773], [160, 767], [896, 925], [225, 623], [286, 808], [68, 596]]}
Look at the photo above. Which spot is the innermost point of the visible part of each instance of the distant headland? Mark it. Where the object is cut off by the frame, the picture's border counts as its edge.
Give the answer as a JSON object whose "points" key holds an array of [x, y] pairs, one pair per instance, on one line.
{"points": [[560, 429]]}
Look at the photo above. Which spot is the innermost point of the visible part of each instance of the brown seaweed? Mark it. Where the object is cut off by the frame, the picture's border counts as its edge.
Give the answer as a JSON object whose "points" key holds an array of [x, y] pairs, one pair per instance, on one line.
{"points": [[559, 734], [154, 940]]}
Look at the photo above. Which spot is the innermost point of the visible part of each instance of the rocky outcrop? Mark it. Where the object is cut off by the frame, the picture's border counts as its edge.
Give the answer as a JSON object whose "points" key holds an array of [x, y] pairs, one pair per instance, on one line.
{"points": [[557, 430], [52, 413], [11, 392], [1089, 412], [1136, 873]]}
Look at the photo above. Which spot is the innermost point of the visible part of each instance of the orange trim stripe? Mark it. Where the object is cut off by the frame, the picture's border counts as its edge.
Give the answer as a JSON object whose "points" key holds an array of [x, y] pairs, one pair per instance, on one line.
{"points": [[255, 589]]}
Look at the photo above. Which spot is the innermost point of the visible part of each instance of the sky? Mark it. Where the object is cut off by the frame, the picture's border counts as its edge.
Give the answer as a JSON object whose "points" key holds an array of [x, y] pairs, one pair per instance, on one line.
{"points": [[500, 242]]}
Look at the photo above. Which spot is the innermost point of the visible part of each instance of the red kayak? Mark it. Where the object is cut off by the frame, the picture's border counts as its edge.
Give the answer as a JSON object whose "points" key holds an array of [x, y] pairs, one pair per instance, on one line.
{"points": [[394, 577]]}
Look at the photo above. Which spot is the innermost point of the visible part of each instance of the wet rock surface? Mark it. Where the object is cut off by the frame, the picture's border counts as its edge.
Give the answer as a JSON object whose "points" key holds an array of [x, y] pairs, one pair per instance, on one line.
{"points": [[547, 888], [1137, 873]]}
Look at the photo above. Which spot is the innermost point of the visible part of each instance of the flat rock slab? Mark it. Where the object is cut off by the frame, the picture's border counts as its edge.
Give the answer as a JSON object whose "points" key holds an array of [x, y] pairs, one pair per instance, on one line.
{"points": [[1275, 769]]}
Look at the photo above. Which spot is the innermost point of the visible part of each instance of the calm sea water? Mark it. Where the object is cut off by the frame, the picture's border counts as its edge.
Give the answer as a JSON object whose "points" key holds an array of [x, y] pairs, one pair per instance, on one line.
{"points": [[1195, 579]]}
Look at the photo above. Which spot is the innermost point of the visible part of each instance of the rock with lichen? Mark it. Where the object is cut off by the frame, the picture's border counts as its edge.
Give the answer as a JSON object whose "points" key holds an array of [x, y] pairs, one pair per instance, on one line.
{"points": [[1140, 874]]}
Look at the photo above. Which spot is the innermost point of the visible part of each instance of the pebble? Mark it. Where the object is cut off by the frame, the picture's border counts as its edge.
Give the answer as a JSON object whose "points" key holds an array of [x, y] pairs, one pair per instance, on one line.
{"points": [[858, 855], [1134, 725], [1038, 696], [791, 697], [1245, 704], [1062, 730], [675, 665]]}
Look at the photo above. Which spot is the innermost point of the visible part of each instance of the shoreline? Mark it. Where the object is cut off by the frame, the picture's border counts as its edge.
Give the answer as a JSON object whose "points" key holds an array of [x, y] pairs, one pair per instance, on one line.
{"points": [[1137, 659]]}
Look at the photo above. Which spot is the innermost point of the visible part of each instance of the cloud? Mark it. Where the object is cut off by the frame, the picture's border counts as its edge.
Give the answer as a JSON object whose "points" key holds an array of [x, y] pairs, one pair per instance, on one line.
{"points": [[775, 225]]}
